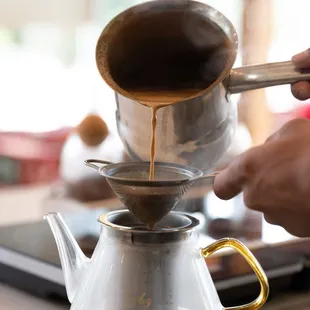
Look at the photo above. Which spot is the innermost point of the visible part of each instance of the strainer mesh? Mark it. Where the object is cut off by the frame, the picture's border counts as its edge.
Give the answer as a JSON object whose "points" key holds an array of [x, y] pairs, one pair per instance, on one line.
{"points": [[148, 200]]}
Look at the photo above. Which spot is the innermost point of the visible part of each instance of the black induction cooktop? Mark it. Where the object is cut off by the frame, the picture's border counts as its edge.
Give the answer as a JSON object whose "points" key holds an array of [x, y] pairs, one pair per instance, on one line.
{"points": [[29, 260]]}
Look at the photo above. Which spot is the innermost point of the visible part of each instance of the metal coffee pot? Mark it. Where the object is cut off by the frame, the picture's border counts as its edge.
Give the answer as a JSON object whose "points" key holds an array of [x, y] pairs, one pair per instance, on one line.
{"points": [[198, 130], [133, 268]]}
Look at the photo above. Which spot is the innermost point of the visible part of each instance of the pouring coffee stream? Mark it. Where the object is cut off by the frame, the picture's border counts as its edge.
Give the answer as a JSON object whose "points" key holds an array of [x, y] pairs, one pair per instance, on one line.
{"points": [[156, 100], [153, 143], [148, 200]]}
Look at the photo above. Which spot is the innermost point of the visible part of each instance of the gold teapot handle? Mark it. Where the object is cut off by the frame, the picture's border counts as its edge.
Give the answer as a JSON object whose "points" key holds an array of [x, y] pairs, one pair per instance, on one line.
{"points": [[250, 258]]}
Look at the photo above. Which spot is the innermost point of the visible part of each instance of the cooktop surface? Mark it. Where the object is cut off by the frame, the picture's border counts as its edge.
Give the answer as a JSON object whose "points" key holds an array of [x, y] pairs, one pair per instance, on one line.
{"points": [[29, 258]]}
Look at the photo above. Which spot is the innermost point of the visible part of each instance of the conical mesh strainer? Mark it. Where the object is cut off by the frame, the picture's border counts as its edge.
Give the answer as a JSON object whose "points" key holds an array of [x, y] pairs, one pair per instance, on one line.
{"points": [[148, 200]]}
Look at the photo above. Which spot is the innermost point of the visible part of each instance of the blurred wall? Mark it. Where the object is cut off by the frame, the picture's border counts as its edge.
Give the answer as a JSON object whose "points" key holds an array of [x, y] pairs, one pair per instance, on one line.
{"points": [[16, 13]]}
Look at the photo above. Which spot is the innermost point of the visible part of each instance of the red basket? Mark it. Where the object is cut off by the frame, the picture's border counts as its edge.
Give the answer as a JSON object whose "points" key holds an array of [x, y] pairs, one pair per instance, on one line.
{"points": [[30, 157]]}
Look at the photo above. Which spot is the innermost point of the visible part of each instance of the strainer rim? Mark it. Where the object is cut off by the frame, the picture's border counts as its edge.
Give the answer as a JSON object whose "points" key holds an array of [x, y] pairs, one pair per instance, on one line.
{"points": [[103, 220], [158, 183]]}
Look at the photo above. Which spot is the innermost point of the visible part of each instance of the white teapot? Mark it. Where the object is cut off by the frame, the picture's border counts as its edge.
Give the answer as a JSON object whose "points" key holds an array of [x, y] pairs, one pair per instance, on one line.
{"points": [[133, 268]]}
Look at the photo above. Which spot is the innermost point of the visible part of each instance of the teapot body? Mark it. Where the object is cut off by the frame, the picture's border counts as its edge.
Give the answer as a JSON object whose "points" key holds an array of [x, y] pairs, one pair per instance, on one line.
{"points": [[134, 268], [126, 276]]}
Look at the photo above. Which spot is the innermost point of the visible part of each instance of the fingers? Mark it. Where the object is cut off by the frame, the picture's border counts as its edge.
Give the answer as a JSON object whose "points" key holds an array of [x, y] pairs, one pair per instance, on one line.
{"points": [[229, 182], [242, 170], [302, 60], [301, 90]]}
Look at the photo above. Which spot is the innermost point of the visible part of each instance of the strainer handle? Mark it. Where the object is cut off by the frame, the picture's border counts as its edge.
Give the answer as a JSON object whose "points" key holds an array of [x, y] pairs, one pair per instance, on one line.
{"points": [[206, 176], [90, 163]]}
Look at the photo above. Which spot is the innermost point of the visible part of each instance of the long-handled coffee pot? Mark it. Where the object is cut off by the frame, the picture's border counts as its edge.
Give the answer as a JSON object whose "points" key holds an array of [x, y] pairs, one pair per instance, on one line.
{"points": [[180, 44]]}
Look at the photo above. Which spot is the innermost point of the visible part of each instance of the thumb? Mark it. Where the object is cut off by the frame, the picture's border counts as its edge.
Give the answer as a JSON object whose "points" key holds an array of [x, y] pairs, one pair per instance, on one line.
{"points": [[302, 60], [229, 182]]}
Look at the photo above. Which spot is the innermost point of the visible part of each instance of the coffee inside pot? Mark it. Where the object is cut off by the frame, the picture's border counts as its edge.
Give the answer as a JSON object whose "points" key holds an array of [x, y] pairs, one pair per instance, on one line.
{"points": [[170, 49]]}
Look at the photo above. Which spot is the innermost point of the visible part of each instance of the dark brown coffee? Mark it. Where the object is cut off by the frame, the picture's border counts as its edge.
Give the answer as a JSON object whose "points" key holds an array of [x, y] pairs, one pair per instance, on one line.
{"points": [[167, 50]]}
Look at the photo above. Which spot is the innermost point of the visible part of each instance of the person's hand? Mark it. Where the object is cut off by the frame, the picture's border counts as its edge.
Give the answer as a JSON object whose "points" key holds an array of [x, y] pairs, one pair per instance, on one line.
{"points": [[301, 90], [274, 178]]}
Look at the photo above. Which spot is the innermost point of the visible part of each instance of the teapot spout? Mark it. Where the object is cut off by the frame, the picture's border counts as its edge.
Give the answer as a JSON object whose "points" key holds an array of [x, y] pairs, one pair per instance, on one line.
{"points": [[73, 261]]}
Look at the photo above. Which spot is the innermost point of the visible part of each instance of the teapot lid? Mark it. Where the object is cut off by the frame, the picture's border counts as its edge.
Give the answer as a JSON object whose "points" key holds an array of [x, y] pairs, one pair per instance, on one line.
{"points": [[174, 227]]}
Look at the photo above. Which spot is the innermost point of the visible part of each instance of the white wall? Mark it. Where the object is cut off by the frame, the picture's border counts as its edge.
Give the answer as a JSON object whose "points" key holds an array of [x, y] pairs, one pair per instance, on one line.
{"points": [[17, 13]]}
